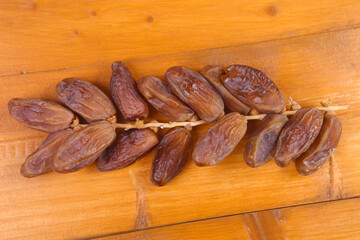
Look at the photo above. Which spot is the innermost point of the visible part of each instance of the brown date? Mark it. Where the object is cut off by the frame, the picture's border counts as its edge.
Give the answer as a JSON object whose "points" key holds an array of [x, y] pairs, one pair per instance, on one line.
{"points": [[125, 94], [212, 73], [86, 99], [45, 116], [129, 146], [159, 95], [322, 148], [262, 142], [171, 156], [220, 139], [83, 147], [39, 162], [193, 89], [254, 88], [297, 135]]}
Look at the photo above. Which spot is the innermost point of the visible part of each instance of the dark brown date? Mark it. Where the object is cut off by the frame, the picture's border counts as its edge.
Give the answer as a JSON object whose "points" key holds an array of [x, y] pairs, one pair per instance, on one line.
{"points": [[262, 142], [86, 99], [45, 116], [171, 156], [322, 148], [129, 146], [212, 73], [39, 162], [254, 88], [125, 94], [220, 139], [195, 91], [83, 147], [159, 95], [297, 135]]}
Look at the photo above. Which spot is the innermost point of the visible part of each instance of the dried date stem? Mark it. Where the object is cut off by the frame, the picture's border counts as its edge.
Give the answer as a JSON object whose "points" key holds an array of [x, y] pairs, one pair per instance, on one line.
{"points": [[154, 124]]}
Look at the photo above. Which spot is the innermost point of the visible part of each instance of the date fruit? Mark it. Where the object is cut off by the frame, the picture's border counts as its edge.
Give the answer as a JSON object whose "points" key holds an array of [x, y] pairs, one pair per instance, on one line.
{"points": [[39, 162], [125, 94], [129, 146], [45, 116], [195, 91], [297, 135], [220, 139], [171, 156], [212, 73], [324, 145], [159, 95], [83, 147], [86, 99], [254, 88], [261, 144]]}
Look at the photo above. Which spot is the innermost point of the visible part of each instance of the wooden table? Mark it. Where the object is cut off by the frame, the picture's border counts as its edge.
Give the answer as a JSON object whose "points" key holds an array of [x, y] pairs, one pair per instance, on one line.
{"points": [[311, 49]]}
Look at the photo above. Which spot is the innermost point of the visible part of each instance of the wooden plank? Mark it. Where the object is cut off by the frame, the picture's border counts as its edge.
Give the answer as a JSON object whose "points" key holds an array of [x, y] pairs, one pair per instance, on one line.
{"points": [[90, 203], [329, 220], [49, 34]]}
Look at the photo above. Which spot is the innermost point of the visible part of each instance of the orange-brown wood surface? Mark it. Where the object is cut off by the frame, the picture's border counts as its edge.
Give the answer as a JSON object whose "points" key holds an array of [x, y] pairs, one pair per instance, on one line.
{"points": [[310, 49]]}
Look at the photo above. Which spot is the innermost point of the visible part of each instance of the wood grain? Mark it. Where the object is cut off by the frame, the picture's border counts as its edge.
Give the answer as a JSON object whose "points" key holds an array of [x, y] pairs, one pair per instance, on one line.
{"points": [[39, 35], [329, 220], [89, 203]]}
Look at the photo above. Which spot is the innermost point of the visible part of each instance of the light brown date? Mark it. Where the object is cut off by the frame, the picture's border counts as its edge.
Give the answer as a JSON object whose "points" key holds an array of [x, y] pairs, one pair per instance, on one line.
{"points": [[125, 94], [297, 135], [83, 147], [39, 162], [220, 139], [86, 99], [322, 148], [171, 156], [159, 95], [129, 146], [195, 91], [254, 88], [261, 144], [212, 73], [45, 116]]}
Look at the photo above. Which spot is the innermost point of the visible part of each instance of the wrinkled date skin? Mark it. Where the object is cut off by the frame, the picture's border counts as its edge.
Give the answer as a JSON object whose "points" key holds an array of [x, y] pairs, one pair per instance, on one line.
{"points": [[297, 135], [254, 89], [193, 89], [171, 156], [262, 142], [45, 116], [159, 95], [220, 139], [39, 162], [125, 94], [129, 146], [212, 73], [86, 99], [83, 147], [324, 145]]}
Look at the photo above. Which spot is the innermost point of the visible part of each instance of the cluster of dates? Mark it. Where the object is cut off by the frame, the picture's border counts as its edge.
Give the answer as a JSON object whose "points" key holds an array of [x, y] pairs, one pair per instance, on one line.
{"points": [[310, 136]]}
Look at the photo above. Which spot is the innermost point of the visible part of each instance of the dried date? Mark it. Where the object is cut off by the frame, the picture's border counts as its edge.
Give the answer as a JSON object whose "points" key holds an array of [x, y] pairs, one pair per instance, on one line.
{"points": [[193, 89], [220, 139], [83, 147], [297, 135], [254, 88], [159, 95], [45, 116], [86, 99], [129, 146], [171, 156], [212, 73], [322, 148], [39, 162], [125, 94], [262, 142]]}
